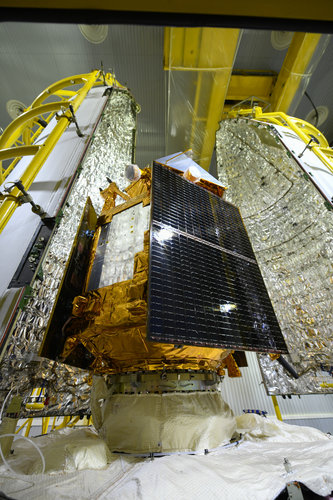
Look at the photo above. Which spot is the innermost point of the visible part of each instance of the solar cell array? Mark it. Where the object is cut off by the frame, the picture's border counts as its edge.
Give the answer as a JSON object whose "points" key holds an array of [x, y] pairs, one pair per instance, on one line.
{"points": [[205, 286]]}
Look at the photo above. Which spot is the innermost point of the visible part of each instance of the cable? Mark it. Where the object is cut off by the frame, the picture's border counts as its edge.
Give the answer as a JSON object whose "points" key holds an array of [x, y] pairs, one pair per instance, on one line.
{"points": [[314, 107], [27, 439]]}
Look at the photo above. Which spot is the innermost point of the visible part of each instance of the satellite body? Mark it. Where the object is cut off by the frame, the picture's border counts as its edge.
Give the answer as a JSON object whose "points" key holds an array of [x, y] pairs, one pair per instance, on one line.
{"points": [[157, 320]]}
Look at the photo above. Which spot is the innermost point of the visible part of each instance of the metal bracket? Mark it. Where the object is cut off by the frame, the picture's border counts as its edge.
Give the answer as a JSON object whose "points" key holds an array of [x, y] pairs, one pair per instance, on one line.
{"points": [[309, 146], [71, 119], [26, 198]]}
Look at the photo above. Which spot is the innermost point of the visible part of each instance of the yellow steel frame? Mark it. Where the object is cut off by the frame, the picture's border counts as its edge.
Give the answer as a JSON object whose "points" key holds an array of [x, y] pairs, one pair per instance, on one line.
{"points": [[16, 141], [303, 129], [213, 50], [247, 84], [276, 408], [67, 421]]}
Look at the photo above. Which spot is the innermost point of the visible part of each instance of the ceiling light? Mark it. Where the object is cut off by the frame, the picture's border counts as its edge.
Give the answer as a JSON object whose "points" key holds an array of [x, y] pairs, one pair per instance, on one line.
{"points": [[281, 40], [15, 108], [94, 33], [322, 116]]}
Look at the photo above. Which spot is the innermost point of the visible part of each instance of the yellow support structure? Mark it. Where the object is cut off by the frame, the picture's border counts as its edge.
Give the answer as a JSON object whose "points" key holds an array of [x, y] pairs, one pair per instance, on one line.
{"points": [[17, 126], [22, 426], [45, 424], [6, 154], [73, 422], [293, 70], [242, 86], [27, 431], [276, 408], [64, 423], [23, 122], [53, 423]]}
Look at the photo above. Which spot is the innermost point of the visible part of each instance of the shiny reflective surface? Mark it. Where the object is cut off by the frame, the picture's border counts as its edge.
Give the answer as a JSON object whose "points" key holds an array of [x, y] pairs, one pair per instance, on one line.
{"points": [[69, 388], [292, 235], [205, 289]]}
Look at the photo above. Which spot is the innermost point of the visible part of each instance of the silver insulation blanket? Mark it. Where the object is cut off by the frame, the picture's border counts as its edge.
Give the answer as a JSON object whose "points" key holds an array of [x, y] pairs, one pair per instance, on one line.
{"points": [[110, 150], [291, 233]]}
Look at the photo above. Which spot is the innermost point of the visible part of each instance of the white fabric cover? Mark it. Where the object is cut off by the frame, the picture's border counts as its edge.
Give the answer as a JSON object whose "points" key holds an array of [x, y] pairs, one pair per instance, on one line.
{"points": [[168, 422], [252, 470], [66, 449]]}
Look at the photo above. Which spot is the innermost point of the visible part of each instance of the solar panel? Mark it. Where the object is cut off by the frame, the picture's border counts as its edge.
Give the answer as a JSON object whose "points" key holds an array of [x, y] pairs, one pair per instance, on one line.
{"points": [[205, 286]]}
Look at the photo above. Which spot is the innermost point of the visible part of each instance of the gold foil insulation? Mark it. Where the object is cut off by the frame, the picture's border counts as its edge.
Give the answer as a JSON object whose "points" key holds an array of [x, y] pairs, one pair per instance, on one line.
{"points": [[110, 322]]}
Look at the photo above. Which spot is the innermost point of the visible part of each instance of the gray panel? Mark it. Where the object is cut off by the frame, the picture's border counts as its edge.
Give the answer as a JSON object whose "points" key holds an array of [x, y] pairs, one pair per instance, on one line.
{"points": [[320, 91], [256, 52]]}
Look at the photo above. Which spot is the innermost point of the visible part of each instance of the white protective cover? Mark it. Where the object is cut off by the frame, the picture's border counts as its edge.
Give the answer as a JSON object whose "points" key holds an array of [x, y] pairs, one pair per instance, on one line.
{"points": [[253, 470], [162, 423]]}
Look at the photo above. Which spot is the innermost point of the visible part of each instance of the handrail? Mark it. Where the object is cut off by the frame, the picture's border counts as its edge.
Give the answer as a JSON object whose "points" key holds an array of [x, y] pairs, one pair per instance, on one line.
{"points": [[16, 127], [6, 154]]}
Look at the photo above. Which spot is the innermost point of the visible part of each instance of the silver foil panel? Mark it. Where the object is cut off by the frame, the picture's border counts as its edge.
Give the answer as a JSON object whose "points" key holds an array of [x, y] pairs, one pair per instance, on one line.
{"points": [[120, 240], [291, 234], [110, 150]]}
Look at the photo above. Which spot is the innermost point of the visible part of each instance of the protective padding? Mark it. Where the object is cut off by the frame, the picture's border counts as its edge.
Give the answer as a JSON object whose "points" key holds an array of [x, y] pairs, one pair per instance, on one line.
{"points": [[168, 422]]}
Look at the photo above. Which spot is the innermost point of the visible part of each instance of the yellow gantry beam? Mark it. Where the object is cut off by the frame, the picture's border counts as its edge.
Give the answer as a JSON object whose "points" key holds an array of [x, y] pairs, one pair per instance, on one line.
{"points": [[209, 53], [294, 70], [276, 408], [17, 126], [242, 86]]}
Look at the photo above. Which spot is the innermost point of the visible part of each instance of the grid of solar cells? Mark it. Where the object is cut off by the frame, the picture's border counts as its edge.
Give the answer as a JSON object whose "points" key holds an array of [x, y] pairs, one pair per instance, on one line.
{"points": [[194, 210], [199, 294], [203, 296]]}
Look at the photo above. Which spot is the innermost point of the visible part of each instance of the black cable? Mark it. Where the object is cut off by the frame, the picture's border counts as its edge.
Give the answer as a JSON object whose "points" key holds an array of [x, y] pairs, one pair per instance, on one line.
{"points": [[314, 107]]}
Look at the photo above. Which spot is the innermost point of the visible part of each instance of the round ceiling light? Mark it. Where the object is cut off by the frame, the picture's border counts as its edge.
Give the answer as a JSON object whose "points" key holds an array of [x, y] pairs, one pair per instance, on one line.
{"points": [[94, 33], [15, 108], [281, 40], [322, 116]]}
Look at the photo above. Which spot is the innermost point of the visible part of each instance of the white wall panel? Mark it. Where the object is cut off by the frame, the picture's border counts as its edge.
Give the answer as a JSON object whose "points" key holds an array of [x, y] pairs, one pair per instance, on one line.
{"points": [[248, 392]]}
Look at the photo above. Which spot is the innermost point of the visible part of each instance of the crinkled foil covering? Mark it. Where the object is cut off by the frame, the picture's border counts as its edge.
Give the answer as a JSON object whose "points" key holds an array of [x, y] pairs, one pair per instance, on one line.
{"points": [[124, 238], [291, 234], [22, 369]]}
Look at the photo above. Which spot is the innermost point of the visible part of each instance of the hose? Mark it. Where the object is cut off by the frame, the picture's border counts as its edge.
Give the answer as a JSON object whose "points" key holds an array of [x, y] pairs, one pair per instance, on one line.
{"points": [[27, 439]]}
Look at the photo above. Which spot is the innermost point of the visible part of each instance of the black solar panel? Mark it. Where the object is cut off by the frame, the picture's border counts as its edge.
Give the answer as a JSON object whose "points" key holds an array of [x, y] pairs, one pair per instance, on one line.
{"points": [[205, 287], [195, 211]]}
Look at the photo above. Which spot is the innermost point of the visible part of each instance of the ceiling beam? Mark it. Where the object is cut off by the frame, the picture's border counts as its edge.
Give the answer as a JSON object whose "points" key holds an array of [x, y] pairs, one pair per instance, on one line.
{"points": [[246, 85]]}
